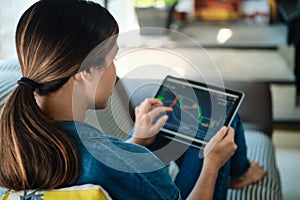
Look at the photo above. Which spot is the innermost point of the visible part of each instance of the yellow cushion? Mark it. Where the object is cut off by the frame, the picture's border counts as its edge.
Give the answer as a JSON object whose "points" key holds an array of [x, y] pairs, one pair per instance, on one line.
{"points": [[84, 192]]}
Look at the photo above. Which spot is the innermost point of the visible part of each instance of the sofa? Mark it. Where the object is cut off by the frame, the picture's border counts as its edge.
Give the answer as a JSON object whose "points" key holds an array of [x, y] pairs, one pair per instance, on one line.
{"points": [[117, 120]]}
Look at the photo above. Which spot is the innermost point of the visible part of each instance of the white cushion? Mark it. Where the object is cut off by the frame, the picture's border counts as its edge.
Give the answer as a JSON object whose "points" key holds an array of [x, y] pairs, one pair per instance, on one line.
{"points": [[261, 150]]}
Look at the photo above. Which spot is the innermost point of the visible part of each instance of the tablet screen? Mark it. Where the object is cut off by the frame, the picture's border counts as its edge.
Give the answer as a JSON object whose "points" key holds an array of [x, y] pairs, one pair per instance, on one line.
{"points": [[199, 110]]}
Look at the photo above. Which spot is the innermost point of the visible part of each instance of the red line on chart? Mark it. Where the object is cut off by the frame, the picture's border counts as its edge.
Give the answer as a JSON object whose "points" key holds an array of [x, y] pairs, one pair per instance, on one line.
{"points": [[174, 102]]}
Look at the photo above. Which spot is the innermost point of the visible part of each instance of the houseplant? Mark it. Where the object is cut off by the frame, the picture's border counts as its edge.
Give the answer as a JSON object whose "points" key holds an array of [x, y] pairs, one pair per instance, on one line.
{"points": [[154, 13], [154, 3]]}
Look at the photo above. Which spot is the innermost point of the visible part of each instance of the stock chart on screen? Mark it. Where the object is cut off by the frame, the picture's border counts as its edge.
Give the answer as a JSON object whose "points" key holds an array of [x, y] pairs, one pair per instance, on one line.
{"points": [[193, 107]]}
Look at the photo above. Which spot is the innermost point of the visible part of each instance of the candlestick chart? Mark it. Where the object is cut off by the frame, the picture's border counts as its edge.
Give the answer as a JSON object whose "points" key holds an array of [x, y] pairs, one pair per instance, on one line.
{"points": [[193, 107], [191, 114]]}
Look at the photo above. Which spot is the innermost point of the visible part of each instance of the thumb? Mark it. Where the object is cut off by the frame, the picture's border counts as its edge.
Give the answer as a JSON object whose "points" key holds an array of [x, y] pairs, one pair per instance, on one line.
{"points": [[221, 134], [159, 124], [215, 140], [230, 134]]}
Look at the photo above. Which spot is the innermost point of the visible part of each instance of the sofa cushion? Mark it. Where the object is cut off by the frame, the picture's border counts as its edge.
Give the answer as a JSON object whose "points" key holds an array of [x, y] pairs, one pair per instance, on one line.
{"points": [[9, 75], [261, 150], [87, 192], [10, 65]]}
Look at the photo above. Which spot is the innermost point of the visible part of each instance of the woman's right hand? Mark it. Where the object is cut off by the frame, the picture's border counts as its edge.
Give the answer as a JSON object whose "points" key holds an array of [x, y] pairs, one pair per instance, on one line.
{"points": [[220, 148], [145, 130]]}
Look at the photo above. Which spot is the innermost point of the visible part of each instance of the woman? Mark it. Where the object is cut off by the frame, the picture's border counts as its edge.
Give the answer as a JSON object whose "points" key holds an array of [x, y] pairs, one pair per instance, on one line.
{"points": [[42, 126]]}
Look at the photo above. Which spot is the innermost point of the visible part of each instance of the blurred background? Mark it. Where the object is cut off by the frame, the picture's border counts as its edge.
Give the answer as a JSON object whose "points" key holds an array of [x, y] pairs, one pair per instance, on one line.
{"points": [[249, 40]]}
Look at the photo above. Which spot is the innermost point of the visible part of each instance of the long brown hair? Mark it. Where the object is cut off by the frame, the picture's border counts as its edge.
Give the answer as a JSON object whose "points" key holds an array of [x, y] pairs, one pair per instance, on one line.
{"points": [[53, 38]]}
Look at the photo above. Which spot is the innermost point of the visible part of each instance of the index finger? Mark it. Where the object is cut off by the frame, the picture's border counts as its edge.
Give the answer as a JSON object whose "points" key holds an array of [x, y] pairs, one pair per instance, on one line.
{"points": [[148, 103]]}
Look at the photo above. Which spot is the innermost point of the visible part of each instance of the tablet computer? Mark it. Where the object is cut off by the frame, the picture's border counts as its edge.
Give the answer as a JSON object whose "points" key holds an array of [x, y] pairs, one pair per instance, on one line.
{"points": [[199, 110]]}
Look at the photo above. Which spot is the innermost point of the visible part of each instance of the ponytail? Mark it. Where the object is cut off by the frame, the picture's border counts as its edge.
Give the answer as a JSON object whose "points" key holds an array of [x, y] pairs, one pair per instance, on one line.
{"points": [[36, 152], [53, 38]]}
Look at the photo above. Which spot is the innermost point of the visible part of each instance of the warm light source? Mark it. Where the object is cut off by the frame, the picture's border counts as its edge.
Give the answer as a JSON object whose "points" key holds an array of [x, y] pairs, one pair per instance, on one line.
{"points": [[224, 34]]}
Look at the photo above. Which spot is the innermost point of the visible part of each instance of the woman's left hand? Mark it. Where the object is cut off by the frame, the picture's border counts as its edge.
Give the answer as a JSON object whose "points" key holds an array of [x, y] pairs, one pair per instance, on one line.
{"points": [[145, 130]]}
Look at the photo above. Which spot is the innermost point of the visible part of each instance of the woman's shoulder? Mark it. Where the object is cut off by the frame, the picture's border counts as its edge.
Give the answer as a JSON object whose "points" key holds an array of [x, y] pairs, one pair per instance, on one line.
{"points": [[81, 127], [85, 131], [112, 151]]}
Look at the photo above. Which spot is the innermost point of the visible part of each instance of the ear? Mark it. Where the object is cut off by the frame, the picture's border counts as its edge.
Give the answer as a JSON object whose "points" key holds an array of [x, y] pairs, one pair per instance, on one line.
{"points": [[85, 75]]}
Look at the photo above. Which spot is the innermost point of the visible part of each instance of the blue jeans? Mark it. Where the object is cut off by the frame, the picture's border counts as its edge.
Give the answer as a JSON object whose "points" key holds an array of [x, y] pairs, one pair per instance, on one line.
{"points": [[190, 163]]}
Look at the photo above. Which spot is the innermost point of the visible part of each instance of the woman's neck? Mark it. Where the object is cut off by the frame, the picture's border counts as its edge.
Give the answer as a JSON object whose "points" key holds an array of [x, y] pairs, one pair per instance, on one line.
{"points": [[63, 104]]}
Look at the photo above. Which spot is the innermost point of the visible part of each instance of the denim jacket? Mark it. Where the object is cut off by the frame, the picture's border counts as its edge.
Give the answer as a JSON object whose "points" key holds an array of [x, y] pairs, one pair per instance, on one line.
{"points": [[124, 170]]}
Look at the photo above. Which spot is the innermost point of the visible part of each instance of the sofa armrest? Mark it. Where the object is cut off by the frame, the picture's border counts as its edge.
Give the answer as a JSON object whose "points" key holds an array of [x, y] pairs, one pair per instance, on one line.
{"points": [[256, 110]]}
